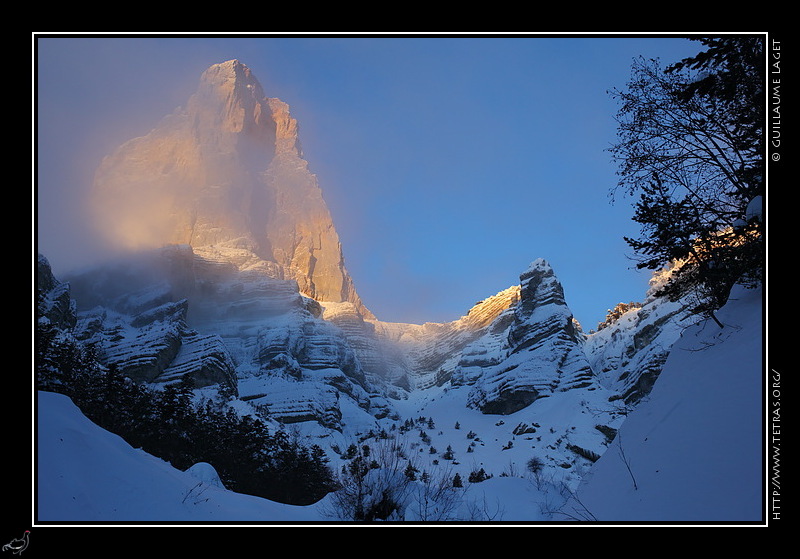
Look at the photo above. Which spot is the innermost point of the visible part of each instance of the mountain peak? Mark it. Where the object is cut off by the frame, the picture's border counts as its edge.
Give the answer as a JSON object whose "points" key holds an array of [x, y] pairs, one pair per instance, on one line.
{"points": [[540, 265], [232, 77], [231, 72], [226, 177]]}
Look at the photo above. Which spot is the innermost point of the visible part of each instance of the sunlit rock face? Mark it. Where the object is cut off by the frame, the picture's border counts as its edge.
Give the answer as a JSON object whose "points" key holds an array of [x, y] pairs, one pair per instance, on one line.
{"points": [[226, 176], [431, 351]]}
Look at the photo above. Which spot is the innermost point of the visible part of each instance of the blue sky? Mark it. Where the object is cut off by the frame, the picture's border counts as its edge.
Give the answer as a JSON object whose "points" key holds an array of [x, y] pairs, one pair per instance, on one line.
{"points": [[449, 164]]}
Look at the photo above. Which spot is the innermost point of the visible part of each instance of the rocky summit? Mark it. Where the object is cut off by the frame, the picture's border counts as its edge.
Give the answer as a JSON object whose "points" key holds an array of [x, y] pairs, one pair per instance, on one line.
{"points": [[226, 176], [541, 352]]}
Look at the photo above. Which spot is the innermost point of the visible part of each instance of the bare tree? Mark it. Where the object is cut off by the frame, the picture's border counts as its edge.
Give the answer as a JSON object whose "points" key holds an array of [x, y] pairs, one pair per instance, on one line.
{"points": [[435, 498], [373, 485]]}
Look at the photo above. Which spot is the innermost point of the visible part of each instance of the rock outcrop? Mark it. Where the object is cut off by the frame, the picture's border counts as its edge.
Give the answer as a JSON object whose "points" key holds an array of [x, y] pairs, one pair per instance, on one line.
{"points": [[629, 353], [148, 339], [54, 302], [540, 351], [226, 175], [430, 352]]}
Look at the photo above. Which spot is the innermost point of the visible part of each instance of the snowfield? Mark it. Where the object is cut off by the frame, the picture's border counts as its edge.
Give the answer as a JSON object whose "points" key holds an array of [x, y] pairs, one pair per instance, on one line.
{"points": [[692, 451]]}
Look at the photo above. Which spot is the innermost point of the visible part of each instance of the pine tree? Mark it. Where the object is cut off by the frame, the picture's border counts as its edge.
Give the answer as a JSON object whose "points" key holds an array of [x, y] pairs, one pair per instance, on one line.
{"points": [[411, 472], [448, 453], [477, 476]]}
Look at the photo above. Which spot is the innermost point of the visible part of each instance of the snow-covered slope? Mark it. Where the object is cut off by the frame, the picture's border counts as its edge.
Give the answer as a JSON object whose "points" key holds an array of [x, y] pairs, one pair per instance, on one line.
{"points": [[508, 386], [693, 449], [89, 475]]}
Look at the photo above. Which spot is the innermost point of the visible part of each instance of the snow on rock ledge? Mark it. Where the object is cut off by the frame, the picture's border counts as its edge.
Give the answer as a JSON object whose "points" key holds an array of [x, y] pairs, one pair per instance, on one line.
{"points": [[542, 351]]}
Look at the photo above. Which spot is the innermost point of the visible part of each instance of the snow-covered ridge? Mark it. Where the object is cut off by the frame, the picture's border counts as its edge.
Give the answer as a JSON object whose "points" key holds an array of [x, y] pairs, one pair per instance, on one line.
{"points": [[172, 312], [229, 323], [325, 369], [432, 350], [697, 435], [540, 355]]}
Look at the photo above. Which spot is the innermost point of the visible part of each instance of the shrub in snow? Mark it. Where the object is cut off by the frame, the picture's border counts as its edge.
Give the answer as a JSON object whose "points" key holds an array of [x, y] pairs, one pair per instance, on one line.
{"points": [[477, 476]]}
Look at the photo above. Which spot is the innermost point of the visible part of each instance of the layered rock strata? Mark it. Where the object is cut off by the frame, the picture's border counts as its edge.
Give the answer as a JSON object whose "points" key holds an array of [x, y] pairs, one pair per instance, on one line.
{"points": [[171, 312], [629, 354], [539, 353]]}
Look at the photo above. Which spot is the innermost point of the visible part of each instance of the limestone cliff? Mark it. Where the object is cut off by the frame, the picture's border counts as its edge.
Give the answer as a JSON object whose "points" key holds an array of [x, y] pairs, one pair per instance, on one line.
{"points": [[539, 354], [54, 302], [226, 176], [629, 353]]}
